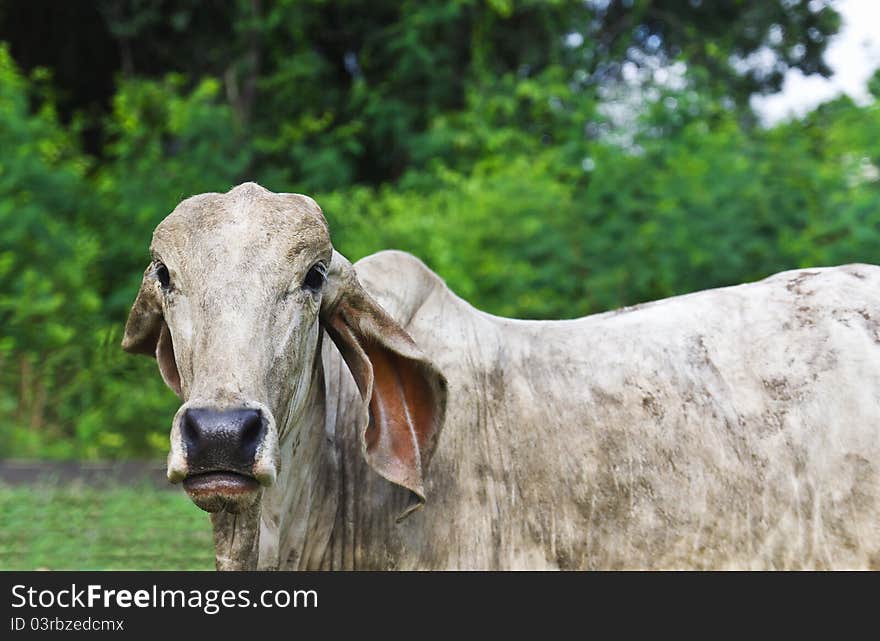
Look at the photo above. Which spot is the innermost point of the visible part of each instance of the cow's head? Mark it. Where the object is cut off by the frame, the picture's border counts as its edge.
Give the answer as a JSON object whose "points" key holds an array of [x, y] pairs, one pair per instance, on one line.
{"points": [[232, 307]]}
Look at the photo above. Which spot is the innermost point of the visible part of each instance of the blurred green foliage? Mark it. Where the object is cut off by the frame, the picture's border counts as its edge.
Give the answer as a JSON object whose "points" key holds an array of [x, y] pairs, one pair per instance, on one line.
{"points": [[502, 142]]}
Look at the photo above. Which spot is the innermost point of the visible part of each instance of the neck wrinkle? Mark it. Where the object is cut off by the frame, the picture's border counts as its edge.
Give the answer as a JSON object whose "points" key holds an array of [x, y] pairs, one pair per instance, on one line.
{"points": [[299, 510]]}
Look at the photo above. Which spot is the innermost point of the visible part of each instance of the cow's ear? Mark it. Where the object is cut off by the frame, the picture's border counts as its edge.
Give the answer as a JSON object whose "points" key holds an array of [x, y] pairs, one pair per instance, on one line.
{"points": [[404, 391], [146, 331]]}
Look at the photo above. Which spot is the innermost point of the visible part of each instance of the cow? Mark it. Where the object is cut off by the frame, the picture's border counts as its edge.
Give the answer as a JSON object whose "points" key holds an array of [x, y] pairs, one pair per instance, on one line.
{"points": [[340, 416]]}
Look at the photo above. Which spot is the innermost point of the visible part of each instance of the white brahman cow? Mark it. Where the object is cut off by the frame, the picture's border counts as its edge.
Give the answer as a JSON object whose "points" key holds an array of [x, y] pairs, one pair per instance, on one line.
{"points": [[324, 402]]}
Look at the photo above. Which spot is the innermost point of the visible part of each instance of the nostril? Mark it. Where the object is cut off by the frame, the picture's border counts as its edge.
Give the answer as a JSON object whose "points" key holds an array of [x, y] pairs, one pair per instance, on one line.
{"points": [[190, 432], [252, 432]]}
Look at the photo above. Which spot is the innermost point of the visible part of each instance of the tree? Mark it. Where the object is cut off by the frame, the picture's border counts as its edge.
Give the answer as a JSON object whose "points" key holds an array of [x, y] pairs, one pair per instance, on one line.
{"points": [[340, 92]]}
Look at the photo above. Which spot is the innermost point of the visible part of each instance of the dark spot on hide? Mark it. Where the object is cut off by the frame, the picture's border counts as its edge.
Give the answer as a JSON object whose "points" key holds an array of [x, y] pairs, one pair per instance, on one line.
{"points": [[871, 324], [864, 478], [653, 407], [698, 352], [795, 285], [771, 421], [854, 272], [779, 389], [495, 383], [805, 316], [842, 316], [564, 560], [484, 474]]}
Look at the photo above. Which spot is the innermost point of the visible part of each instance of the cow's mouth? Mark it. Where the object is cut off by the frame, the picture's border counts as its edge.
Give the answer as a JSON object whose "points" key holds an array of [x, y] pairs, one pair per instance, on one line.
{"points": [[216, 491]]}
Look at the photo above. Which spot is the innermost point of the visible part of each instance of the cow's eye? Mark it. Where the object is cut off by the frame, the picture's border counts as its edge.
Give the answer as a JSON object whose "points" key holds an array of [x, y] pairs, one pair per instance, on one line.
{"points": [[315, 278], [163, 276]]}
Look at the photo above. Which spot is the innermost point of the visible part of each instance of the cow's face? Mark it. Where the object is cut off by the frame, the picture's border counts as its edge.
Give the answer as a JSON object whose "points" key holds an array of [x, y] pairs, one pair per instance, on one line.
{"points": [[232, 306], [229, 305]]}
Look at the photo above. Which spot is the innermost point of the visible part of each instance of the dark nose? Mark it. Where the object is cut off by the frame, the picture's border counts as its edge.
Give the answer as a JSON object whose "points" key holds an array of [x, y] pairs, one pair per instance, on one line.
{"points": [[221, 441]]}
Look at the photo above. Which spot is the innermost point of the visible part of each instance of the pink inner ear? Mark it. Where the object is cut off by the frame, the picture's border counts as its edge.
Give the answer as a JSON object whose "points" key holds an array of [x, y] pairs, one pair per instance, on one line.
{"points": [[165, 358], [402, 410]]}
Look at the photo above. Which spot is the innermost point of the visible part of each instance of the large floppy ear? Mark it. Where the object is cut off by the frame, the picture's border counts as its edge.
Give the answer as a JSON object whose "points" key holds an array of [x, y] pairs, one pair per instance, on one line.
{"points": [[147, 333], [404, 391]]}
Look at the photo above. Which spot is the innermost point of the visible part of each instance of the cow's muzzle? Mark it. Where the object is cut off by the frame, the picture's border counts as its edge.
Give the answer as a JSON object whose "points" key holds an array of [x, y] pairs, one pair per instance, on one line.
{"points": [[221, 449]]}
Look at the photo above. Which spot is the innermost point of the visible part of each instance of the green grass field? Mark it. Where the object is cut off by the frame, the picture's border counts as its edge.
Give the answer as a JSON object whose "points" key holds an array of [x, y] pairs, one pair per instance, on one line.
{"points": [[79, 528]]}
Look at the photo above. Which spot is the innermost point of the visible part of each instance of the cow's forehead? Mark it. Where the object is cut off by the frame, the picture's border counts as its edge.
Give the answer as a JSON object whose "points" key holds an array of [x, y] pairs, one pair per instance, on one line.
{"points": [[246, 216]]}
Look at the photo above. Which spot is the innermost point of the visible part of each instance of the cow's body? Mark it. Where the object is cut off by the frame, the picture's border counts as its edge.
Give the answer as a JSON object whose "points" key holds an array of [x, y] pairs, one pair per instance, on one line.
{"points": [[733, 428]]}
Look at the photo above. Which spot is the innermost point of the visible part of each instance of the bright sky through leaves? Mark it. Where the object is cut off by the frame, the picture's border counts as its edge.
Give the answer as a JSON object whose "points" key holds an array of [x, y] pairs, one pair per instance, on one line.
{"points": [[853, 54]]}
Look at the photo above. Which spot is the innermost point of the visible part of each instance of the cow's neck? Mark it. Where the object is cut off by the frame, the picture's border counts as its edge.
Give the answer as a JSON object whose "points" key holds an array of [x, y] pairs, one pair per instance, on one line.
{"points": [[298, 511], [290, 524], [236, 537], [331, 501], [313, 515]]}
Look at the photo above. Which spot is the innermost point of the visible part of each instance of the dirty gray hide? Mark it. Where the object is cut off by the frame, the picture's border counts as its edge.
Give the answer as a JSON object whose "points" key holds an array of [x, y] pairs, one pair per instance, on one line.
{"points": [[324, 403]]}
